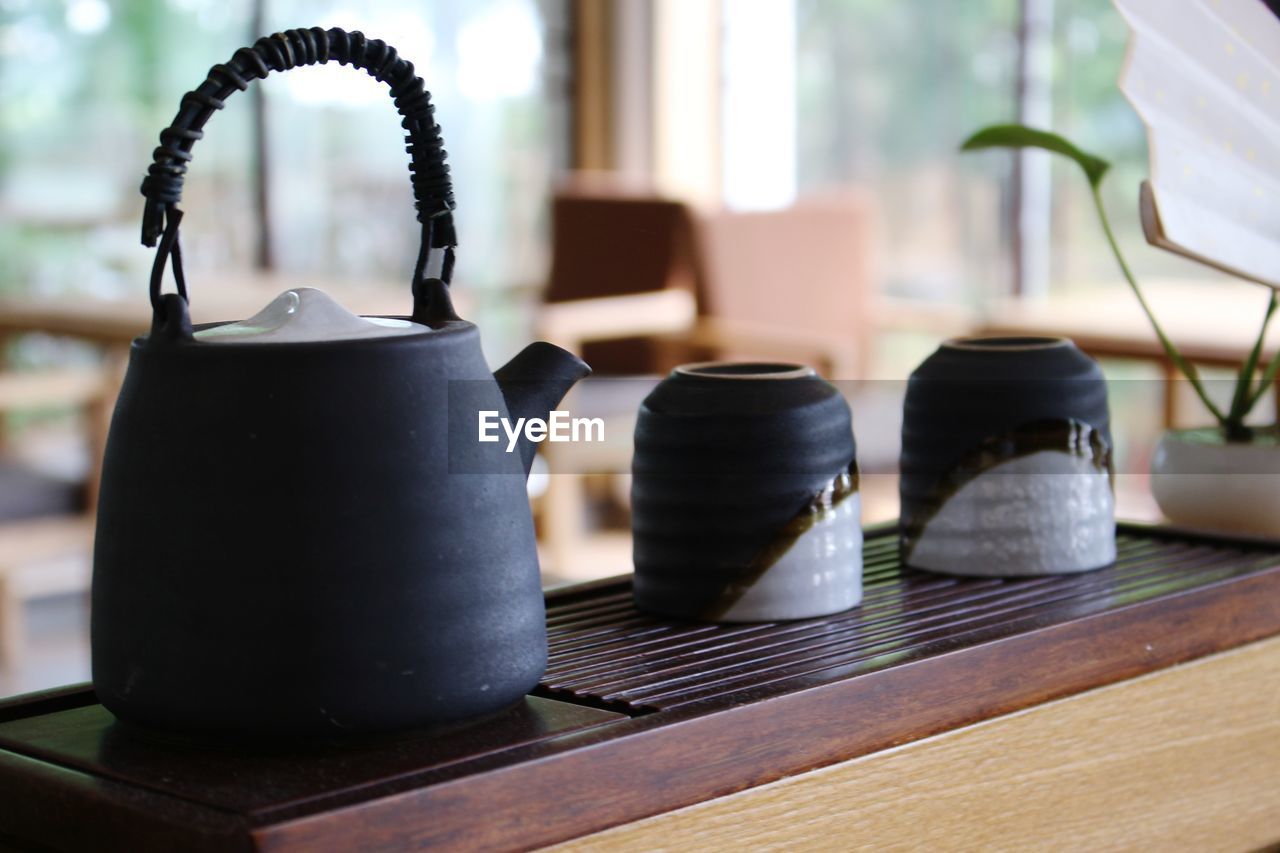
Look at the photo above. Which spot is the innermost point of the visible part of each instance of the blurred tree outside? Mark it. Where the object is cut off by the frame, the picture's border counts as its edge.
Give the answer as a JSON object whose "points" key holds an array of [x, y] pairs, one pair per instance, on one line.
{"points": [[86, 86], [889, 88], [886, 89], [1089, 42]]}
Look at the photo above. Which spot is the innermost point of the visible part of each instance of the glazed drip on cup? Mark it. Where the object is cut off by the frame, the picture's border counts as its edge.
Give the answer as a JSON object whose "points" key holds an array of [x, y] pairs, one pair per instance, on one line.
{"points": [[1072, 437], [820, 508]]}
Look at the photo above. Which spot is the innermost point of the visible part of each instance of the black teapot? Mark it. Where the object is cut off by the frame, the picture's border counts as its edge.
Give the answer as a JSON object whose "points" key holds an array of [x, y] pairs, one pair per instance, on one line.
{"points": [[298, 531]]}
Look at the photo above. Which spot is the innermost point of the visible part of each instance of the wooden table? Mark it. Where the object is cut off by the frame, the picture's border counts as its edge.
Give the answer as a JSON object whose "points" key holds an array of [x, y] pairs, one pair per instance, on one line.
{"points": [[1136, 706], [1212, 324]]}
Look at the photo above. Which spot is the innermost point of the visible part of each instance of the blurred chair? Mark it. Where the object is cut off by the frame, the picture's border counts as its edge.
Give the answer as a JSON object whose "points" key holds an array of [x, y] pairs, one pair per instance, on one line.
{"points": [[46, 523], [623, 278], [652, 274], [794, 284], [624, 273], [640, 283]]}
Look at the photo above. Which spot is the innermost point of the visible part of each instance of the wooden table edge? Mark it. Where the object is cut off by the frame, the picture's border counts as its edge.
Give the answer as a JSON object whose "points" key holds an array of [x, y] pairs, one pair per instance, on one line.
{"points": [[638, 768]]}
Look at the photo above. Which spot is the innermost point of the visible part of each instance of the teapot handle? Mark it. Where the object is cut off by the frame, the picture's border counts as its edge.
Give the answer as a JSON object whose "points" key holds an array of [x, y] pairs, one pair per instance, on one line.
{"points": [[432, 189]]}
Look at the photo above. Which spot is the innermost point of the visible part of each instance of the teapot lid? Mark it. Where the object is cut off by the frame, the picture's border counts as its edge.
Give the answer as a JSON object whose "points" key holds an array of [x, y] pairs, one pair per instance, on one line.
{"points": [[306, 315]]}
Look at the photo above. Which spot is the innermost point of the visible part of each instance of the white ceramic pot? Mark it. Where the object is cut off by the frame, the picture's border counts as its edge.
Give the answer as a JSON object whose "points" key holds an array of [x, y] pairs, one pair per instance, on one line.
{"points": [[1201, 481]]}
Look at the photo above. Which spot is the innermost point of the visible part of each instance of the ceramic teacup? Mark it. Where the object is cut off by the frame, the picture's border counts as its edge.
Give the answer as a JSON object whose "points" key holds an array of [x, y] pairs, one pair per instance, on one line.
{"points": [[745, 503], [1006, 460]]}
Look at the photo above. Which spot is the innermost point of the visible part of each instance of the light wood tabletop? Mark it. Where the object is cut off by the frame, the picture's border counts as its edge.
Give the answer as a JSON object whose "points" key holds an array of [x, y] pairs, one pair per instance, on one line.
{"points": [[1210, 323]]}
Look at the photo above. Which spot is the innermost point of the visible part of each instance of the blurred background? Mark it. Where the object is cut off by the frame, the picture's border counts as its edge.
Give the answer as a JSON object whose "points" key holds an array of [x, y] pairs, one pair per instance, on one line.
{"points": [[646, 181]]}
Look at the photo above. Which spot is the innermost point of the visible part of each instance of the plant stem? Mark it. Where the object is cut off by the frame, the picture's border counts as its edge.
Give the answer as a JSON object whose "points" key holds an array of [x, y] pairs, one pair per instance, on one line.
{"points": [[1268, 377], [1188, 369], [1243, 400]]}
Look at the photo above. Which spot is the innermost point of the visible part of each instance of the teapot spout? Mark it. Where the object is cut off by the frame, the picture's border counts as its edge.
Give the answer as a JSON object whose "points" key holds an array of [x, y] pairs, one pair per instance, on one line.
{"points": [[534, 382]]}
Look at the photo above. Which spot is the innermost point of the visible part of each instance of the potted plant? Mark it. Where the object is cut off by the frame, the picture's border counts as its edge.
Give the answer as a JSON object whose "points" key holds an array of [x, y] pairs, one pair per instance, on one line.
{"points": [[1224, 477]]}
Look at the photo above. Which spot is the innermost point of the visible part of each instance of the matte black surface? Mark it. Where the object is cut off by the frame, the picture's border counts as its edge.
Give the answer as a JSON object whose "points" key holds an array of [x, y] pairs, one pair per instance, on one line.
{"points": [[957, 398], [720, 467], [282, 546]]}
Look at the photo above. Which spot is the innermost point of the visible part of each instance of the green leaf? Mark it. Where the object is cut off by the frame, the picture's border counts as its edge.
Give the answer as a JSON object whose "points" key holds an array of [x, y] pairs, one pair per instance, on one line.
{"points": [[1021, 136]]}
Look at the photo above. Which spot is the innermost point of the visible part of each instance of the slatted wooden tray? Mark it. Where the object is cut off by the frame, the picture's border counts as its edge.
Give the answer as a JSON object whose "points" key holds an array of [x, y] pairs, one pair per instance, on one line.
{"points": [[639, 715], [606, 654]]}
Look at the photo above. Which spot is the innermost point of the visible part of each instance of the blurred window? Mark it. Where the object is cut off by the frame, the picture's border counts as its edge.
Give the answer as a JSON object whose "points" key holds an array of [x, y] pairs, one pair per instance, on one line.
{"points": [[883, 93], [86, 85]]}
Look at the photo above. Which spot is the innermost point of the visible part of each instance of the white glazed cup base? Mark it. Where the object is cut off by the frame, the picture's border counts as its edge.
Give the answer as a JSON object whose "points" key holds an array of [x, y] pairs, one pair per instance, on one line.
{"points": [[1046, 513], [820, 574]]}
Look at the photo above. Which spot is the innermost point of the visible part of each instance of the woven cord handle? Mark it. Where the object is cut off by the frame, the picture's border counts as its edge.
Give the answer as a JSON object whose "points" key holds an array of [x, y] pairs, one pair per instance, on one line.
{"points": [[432, 190]]}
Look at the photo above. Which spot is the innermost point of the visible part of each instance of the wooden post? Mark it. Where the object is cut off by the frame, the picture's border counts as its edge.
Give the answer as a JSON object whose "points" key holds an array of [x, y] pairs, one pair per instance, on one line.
{"points": [[593, 108]]}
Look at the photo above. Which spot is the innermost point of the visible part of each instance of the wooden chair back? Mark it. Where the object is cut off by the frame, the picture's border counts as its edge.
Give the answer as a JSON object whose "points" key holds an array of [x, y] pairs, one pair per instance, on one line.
{"points": [[806, 269]]}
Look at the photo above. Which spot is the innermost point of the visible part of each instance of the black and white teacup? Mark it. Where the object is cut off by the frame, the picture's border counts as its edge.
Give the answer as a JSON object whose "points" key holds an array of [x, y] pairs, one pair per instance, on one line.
{"points": [[745, 503], [1006, 460]]}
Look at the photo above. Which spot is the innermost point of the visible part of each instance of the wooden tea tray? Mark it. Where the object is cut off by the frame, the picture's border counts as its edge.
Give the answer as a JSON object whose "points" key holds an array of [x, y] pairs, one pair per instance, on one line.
{"points": [[638, 715]]}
